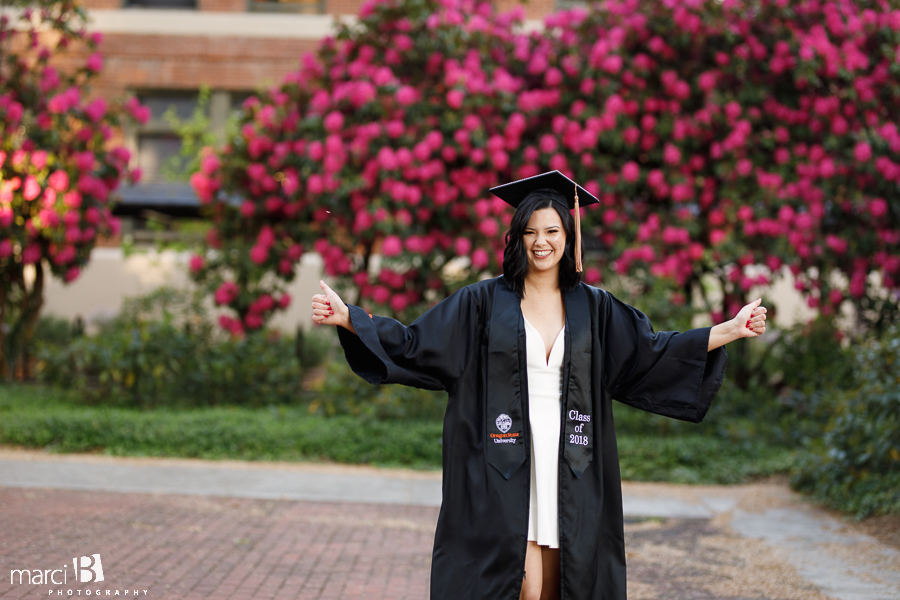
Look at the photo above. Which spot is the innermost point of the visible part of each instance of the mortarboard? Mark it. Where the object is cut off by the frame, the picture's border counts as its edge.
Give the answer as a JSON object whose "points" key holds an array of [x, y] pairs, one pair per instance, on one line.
{"points": [[568, 193]]}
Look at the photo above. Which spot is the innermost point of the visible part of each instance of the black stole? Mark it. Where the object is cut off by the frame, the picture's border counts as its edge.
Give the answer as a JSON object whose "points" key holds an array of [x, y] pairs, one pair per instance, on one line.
{"points": [[507, 383]]}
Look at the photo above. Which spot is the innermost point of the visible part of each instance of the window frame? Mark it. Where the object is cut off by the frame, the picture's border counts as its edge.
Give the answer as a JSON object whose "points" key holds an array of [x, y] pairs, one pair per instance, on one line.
{"points": [[289, 7]]}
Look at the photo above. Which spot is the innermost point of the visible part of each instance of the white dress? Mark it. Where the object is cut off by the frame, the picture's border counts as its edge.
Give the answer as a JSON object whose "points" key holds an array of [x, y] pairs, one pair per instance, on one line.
{"points": [[544, 398]]}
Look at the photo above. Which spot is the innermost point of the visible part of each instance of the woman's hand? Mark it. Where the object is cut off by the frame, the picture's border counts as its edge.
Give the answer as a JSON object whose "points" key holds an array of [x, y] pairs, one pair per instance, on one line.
{"points": [[751, 320], [329, 309]]}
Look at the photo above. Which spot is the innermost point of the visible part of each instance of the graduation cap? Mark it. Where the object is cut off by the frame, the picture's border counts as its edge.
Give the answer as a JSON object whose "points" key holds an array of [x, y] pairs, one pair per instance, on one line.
{"points": [[563, 190]]}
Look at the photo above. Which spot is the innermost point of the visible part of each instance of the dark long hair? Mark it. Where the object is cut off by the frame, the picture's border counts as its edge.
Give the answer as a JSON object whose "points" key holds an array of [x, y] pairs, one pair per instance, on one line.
{"points": [[515, 262]]}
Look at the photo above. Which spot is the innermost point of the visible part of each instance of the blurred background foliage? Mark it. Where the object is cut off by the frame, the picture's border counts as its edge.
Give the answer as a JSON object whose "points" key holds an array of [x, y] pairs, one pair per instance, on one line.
{"points": [[162, 379]]}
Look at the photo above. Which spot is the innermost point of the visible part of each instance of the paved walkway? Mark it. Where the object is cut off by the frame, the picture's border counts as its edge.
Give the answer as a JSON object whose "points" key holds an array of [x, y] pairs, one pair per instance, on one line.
{"points": [[196, 529]]}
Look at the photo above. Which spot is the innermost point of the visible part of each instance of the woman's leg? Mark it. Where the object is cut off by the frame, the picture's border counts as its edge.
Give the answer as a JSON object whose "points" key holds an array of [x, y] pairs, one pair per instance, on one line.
{"points": [[531, 584], [550, 571]]}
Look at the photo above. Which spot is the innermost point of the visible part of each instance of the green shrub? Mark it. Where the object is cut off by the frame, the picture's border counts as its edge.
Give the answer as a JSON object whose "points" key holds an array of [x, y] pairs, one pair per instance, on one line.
{"points": [[345, 393], [699, 459], [55, 331], [163, 350], [855, 465], [786, 402], [35, 417]]}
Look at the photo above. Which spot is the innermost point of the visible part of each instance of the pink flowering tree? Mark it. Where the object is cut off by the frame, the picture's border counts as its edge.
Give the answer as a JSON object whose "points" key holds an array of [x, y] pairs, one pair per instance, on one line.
{"points": [[726, 143], [740, 142], [381, 147], [57, 169]]}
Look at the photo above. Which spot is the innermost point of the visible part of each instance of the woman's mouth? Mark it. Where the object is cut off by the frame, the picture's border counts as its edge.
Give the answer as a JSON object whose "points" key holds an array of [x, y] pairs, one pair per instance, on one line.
{"points": [[542, 253]]}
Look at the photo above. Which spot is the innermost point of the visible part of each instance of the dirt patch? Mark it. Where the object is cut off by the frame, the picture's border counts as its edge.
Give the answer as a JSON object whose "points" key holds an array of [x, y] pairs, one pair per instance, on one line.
{"points": [[885, 529], [695, 559]]}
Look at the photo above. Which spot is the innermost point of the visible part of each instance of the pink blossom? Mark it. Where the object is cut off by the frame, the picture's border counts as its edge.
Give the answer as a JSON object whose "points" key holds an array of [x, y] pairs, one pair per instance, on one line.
{"points": [[31, 254], [732, 110], [558, 162], [333, 121], [631, 172], [548, 143], [707, 81], [462, 246], [553, 77], [612, 63], [500, 160], [681, 192], [266, 237], [839, 125], [862, 152], [480, 259], [391, 246], [488, 227], [744, 167], [471, 122], [72, 274], [406, 95], [394, 129], [31, 189], [316, 150], [196, 263], [39, 159], [399, 302], [84, 160], [226, 293], [671, 154], [631, 135], [6, 248], [838, 245], [94, 63], [259, 254], [878, 207], [73, 235], [717, 236], [455, 99], [59, 180], [782, 156], [315, 184]]}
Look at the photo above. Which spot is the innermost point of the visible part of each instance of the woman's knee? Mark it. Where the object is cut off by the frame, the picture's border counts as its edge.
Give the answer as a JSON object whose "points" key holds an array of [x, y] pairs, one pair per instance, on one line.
{"points": [[534, 577], [531, 588]]}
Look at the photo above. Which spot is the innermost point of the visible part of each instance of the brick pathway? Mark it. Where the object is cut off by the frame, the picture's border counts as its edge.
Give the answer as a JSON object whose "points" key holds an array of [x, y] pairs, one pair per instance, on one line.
{"points": [[754, 542], [193, 547]]}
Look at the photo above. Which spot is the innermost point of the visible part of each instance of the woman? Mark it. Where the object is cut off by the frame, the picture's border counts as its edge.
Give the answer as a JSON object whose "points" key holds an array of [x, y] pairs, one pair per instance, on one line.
{"points": [[536, 512]]}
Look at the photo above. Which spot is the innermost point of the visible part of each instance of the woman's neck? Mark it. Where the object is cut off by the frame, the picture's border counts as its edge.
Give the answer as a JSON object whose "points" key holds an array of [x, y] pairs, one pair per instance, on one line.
{"points": [[539, 284]]}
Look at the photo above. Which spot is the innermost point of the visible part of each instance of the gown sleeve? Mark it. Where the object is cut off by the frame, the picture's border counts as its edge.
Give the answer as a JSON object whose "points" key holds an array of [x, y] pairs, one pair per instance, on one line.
{"points": [[431, 353], [668, 373]]}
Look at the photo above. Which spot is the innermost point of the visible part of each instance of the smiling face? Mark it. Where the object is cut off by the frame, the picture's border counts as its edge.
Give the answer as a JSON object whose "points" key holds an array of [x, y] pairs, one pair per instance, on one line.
{"points": [[545, 240]]}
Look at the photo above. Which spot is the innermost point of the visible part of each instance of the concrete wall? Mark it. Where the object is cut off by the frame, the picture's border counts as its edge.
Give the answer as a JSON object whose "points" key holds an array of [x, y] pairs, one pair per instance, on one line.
{"points": [[110, 277]]}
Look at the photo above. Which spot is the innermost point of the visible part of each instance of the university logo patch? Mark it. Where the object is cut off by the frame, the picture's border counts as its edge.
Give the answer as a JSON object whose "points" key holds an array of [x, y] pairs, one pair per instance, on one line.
{"points": [[503, 423]]}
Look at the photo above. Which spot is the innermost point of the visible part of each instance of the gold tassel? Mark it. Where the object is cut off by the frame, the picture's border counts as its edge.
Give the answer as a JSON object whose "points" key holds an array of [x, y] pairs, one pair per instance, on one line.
{"points": [[578, 266]]}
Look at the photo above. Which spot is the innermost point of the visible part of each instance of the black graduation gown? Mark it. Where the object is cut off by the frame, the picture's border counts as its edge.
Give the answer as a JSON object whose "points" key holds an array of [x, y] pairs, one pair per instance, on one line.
{"points": [[472, 344]]}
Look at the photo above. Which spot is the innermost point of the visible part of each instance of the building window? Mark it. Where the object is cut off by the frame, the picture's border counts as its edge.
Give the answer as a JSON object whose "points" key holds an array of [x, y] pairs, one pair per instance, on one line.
{"points": [[156, 143], [569, 4], [190, 4], [293, 6]]}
